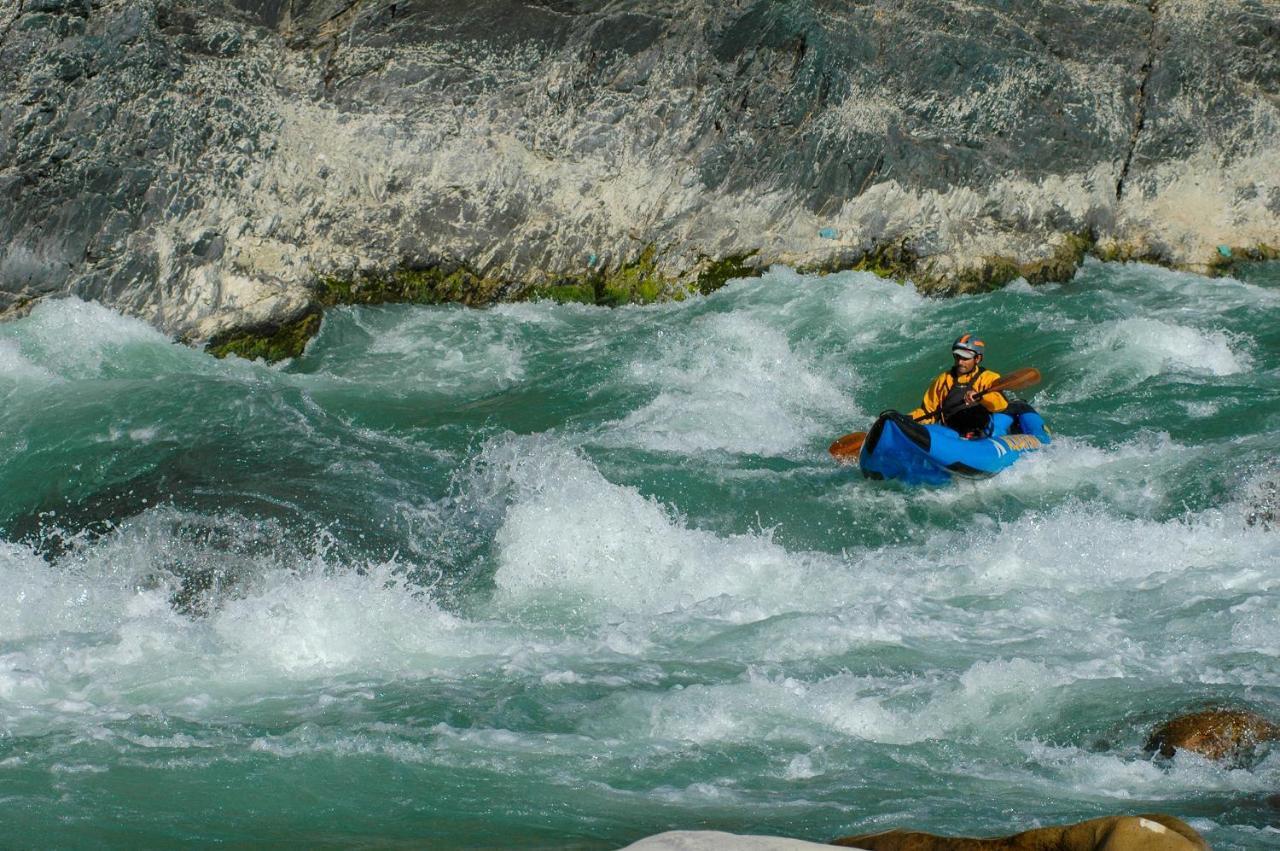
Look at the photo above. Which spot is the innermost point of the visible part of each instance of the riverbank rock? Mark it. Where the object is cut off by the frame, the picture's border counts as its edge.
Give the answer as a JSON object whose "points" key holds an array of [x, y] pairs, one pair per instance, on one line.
{"points": [[1113, 833], [226, 169], [1219, 734], [714, 840]]}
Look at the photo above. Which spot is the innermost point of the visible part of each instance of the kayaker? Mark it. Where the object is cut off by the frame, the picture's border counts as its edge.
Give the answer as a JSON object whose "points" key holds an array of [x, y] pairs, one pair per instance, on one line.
{"points": [[955, 397]]}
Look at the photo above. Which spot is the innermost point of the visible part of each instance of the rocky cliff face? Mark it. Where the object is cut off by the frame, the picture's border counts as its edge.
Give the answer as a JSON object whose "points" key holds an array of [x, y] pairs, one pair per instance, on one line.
{"points": [[235, 164]]}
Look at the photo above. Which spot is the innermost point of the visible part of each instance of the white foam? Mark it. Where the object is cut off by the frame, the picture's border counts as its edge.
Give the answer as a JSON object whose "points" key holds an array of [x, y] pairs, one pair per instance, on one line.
{"points": [[1122, 353], [572, 535], [348, 620], [1131, 774], [1256, 628], [992, 700], [16, 367], [1190, 291], [1200, 410], [1089, 547], [447, 351], [74, 339], [733, 384], [1131, 475], [873, 311], [42, 599], [94, 631]]}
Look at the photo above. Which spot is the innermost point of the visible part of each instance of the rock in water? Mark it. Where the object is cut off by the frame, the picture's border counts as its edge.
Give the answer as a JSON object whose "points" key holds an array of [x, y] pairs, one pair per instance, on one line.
{"points": [[1113, 833], [1220, 734], [239, 164], [714, 840]]}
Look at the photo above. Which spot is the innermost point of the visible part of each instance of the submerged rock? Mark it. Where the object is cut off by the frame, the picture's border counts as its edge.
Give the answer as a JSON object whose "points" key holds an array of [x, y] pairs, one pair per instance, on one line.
{"points": [[235, 165], [1219, 734], [1113, 833], [1262, 499]]}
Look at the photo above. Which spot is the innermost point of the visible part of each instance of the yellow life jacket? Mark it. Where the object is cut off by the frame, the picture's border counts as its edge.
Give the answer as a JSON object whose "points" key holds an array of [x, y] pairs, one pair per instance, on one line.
{"points": [[946, 394]]}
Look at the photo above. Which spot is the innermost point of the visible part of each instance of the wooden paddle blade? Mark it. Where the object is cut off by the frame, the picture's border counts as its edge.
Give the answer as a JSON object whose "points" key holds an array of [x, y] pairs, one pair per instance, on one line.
{"points": [[1016, 380], [848, 447]]}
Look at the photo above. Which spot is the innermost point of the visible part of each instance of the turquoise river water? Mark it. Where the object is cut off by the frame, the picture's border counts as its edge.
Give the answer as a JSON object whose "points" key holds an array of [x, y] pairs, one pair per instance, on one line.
{"points": [[544, 576]]}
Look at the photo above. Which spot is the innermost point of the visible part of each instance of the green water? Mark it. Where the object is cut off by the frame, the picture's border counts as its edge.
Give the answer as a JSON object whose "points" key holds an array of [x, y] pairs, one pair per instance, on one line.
{"points": [[563, 577]]}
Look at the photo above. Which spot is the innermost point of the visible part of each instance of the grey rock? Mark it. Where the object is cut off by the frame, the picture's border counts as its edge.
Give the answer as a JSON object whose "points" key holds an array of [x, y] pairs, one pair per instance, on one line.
{"points": [[202, 165]]}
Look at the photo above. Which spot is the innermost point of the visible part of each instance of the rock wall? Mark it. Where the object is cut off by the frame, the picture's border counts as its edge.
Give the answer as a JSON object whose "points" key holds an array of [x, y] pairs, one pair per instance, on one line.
{"points": [[218, 166]]}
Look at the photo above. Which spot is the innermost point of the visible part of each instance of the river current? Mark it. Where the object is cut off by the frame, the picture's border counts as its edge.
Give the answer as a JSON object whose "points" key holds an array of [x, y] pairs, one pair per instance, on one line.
{"points": [[556, 576]]}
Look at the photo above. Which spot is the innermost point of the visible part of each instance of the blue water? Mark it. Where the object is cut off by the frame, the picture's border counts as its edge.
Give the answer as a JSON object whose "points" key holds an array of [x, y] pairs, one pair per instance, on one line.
{"points": [[554, 576]]}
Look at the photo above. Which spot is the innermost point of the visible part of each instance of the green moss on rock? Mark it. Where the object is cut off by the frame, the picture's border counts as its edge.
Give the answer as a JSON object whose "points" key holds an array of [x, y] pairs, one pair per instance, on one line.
{"points": [[579, 292], [991, 273], [1062, 264], [437, 285], [891, 260], [638, 282], [1226, 263], [894, 260], [270, 342], [999, 270], [719, 272], [1113, 251]]}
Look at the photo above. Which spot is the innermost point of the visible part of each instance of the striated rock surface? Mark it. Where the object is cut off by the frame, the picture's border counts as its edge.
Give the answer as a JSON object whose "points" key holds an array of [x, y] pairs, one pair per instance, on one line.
{"points": [[239, 164]]}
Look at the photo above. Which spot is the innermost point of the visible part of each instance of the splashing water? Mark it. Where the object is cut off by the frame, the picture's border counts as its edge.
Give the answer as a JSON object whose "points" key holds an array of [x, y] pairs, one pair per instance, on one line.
{"points": [[558, 576]]}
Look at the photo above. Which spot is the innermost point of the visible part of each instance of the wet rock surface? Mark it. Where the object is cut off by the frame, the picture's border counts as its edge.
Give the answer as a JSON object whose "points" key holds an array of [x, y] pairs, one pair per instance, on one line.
{"points": [[204, 166], [1112, 833], [1230, 735]]}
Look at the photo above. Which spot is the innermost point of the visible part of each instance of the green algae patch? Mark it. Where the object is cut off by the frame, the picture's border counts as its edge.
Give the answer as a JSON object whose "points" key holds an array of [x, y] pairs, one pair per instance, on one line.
{"points": [[1227, 260], [581, 292], [720, 272], [437, 285], [999, 270], [897, 261], [1114, 251], [991, 273], [1062, 264], [893, 260], [637, 282], [270, 342]]}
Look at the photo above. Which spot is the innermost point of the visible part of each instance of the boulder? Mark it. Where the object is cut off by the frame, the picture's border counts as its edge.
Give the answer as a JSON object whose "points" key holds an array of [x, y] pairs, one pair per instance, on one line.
{"points": [[1219, 734], [235, 166], [715, 840], [1263, 501], [1113, 833]]}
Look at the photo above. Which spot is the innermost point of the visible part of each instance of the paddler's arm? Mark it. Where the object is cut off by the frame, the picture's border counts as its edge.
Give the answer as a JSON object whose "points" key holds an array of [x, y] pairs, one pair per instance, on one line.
{"points": [[932, 402], [993, 402]]}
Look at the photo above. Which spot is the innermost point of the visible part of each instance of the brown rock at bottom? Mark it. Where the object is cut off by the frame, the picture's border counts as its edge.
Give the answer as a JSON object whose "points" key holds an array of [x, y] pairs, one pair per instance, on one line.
{"points": [[1219, 734], [1113, 833]]}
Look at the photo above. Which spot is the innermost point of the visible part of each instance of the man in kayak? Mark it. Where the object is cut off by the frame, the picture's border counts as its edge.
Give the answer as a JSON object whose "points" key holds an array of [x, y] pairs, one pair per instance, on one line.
{"points": [[956, 398]]}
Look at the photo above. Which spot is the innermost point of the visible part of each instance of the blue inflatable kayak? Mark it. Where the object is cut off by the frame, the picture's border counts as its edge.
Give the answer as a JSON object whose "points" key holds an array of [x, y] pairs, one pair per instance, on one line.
{"points": [[899, 448]]}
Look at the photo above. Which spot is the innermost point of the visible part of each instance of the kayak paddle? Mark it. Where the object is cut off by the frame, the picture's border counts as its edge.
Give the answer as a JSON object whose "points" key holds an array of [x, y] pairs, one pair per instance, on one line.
{"points": [[848, 447]]}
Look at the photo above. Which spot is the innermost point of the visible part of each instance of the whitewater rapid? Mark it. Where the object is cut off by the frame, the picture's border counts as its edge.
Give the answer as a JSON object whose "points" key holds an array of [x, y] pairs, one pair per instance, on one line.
{"points": [[552, 574]]}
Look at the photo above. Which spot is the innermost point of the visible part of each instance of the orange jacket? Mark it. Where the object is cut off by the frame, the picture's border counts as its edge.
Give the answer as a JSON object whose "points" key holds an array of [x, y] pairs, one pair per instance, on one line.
{"points": [[930, 411]]}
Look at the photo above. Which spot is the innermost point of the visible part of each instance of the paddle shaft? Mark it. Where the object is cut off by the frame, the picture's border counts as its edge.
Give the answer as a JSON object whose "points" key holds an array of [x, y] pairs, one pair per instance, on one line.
{"points": [[851, 444]]}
